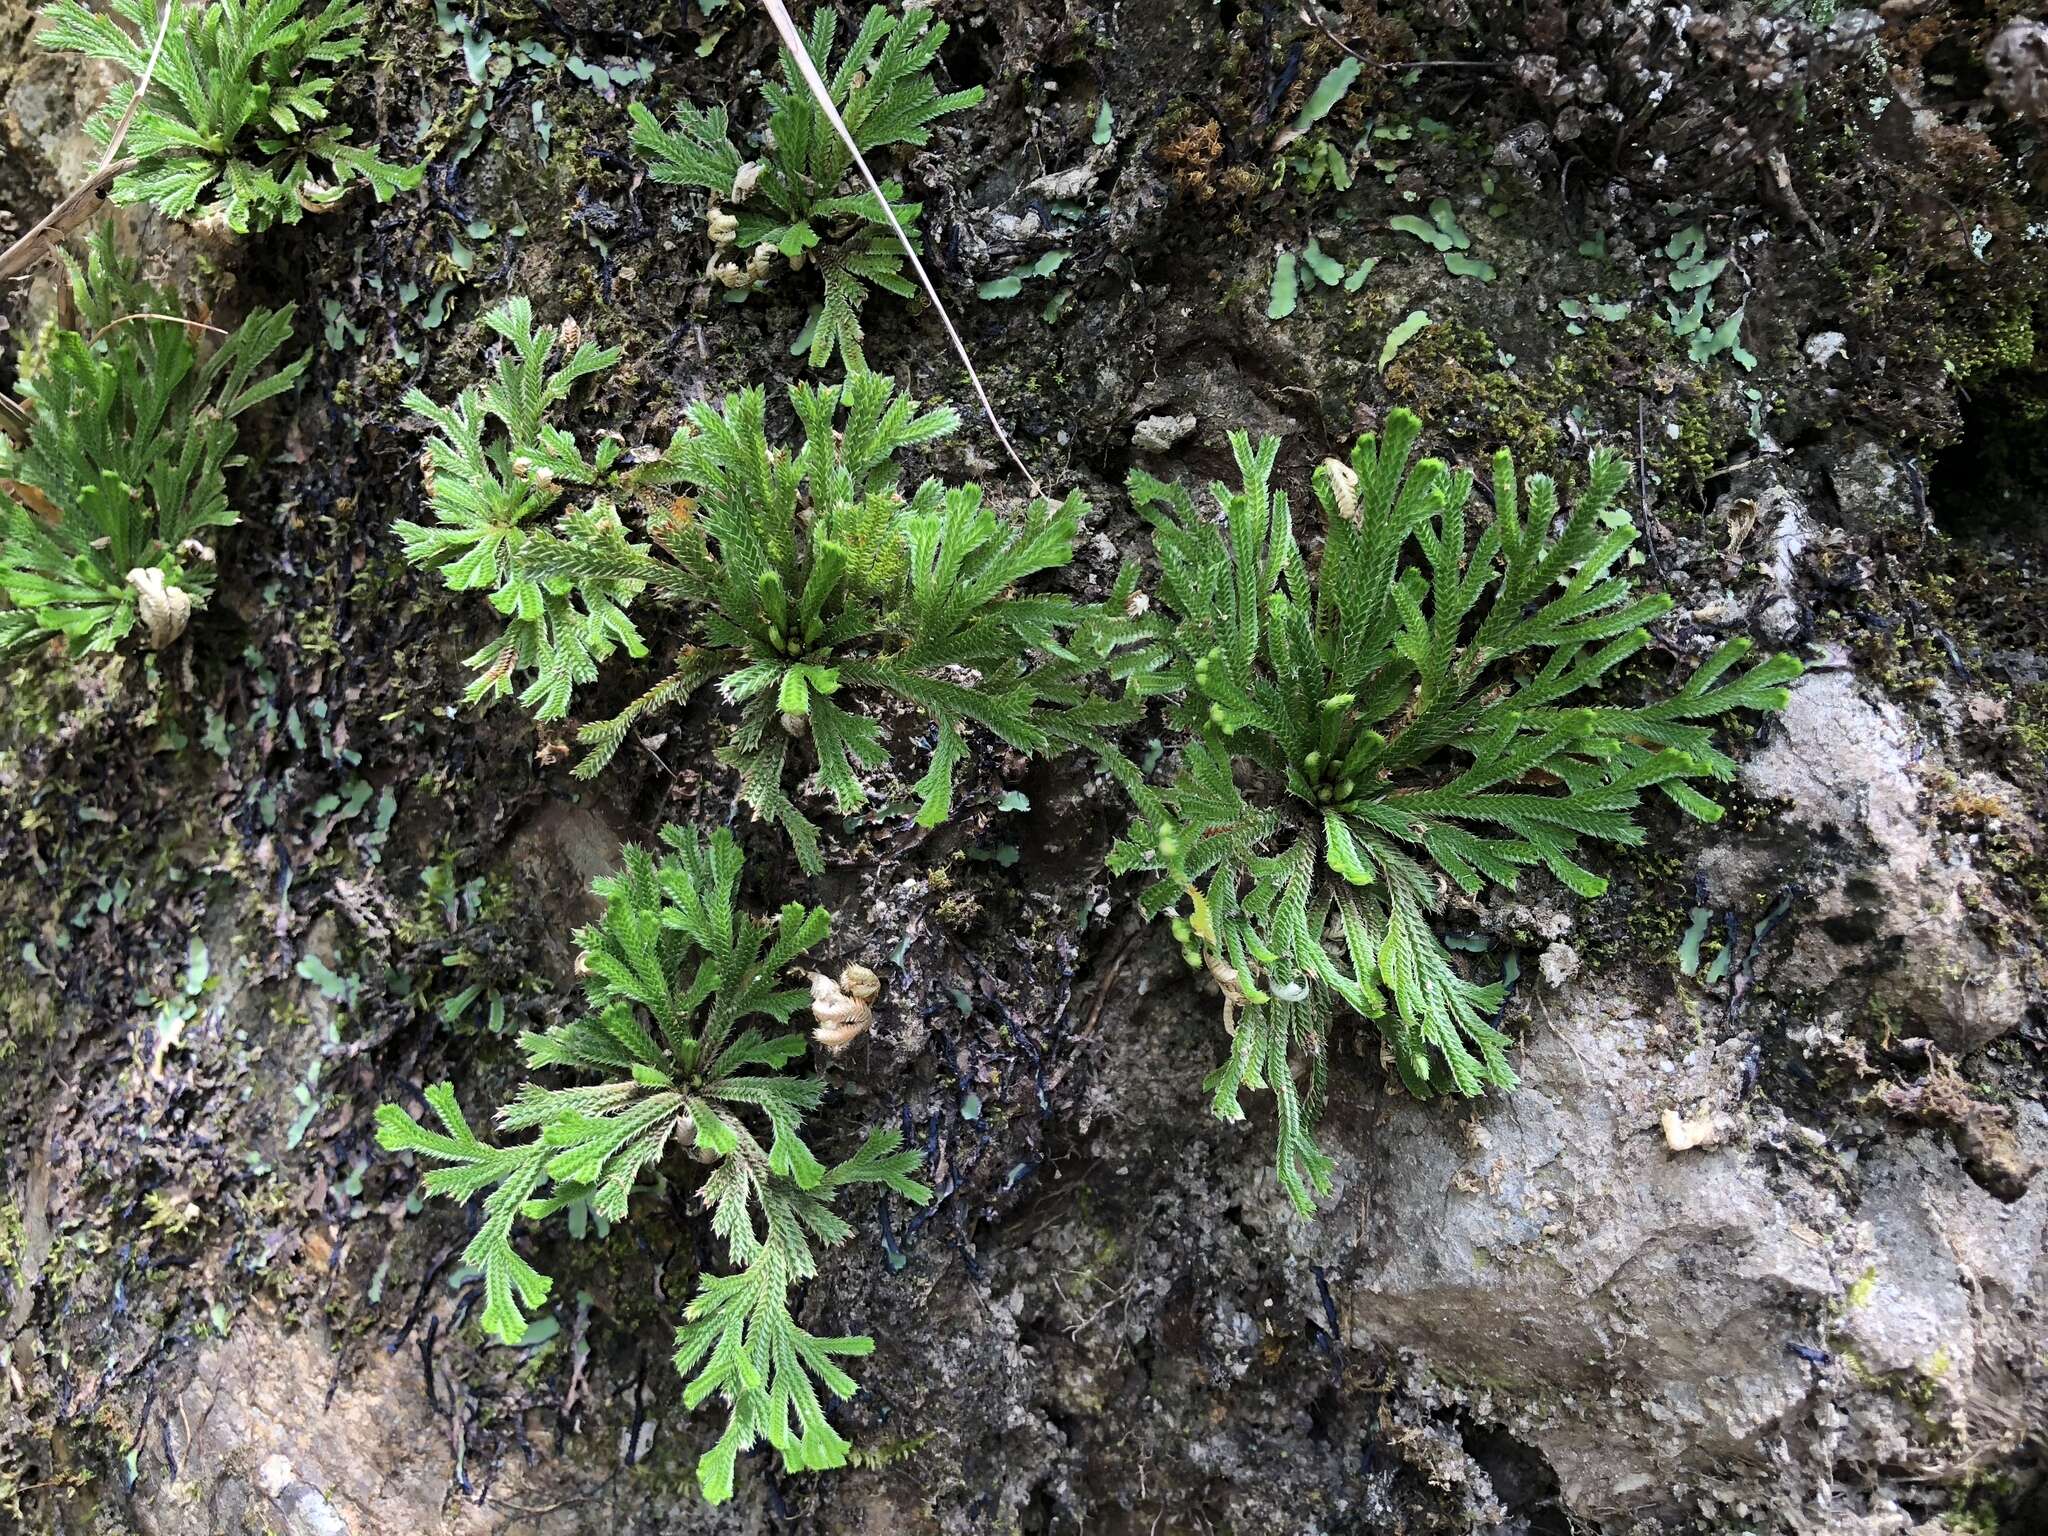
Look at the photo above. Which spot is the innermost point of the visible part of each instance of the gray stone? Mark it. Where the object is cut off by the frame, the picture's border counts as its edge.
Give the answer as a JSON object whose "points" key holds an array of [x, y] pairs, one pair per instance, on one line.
{"points": [[1631, 1302], [1897, 923], [1781, 620], [1158, 434], [1823, 347], [1872, 489]]}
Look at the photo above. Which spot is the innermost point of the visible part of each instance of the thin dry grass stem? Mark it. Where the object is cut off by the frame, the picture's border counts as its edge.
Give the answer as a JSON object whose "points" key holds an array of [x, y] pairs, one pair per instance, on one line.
{"points": [[163, 29], [151, 314], [793, 41]]}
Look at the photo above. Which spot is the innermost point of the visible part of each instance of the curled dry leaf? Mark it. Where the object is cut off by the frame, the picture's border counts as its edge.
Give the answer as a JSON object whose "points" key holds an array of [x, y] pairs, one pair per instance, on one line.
{"points": [[1708, 1128], [164, 609], [76, 208], [843, 1008], [33, 499], [1344, 487], [1233, 992]]}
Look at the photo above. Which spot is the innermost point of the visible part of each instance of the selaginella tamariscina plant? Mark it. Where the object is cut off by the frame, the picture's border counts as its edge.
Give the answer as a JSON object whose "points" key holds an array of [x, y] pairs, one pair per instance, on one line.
{"points": [[1418, 712], [666, 1057], [798, 203], [107, 504], [235, 123], [802, 579], [496, 472]]}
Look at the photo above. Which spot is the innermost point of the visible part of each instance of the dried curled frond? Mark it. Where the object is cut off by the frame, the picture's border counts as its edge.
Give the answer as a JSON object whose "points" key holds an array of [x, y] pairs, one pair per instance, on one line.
{"points": [[164, 609], [844, 1008]]}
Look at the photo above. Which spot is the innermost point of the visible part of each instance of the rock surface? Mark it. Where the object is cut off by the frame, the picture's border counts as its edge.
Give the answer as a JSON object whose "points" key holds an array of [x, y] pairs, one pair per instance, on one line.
{"points": [[1901, 912], [1757, 1247]]}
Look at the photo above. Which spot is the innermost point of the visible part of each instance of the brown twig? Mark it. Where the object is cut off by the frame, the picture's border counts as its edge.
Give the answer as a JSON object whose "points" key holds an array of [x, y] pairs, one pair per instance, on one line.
{"points": [[56, 225], [150, 314]]}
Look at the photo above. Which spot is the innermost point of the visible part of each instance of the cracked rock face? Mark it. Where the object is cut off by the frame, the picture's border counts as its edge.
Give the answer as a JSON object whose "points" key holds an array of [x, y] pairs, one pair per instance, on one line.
{"points": [[260, 1446], [1683, 1330], [1899, 912], [1944, 1303], [1633, 1303]]}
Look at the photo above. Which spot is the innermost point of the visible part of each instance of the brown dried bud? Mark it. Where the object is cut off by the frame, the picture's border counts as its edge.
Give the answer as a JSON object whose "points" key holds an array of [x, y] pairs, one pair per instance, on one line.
{"points": [[843, 1007], [163, 608]]}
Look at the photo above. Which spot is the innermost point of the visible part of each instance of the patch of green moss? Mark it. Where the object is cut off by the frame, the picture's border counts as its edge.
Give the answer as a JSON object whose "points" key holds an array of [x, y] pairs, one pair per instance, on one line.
{"points": [[2005, 344], [1452, 376], [1976, 1506]]}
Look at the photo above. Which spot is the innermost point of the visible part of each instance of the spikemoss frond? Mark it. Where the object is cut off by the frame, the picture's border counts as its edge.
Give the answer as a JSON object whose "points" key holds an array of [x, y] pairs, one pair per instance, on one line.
{"points": [[109, 508], [236, 124], [1421, 709], [799, 205], [668, 1054]]}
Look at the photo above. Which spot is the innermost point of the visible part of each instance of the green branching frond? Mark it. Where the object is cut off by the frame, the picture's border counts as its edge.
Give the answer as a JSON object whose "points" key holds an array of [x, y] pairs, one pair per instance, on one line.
{"points": [[801, 202], [666, 1054], [106, 510], [810, 583], [1422, 710], [235, 125], [496, 468], [738, 1338]]}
